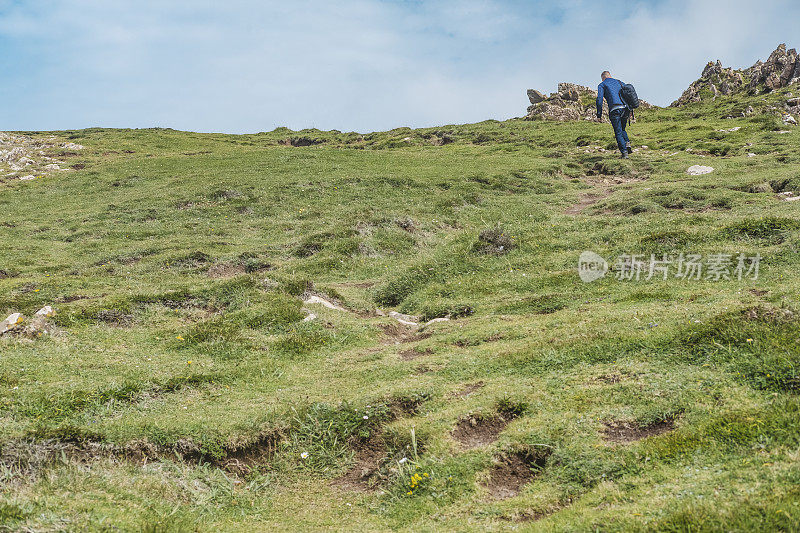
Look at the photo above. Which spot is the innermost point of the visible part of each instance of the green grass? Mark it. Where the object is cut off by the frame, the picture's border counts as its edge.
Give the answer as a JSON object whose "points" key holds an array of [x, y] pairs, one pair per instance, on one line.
{"points": [[176, 262]]}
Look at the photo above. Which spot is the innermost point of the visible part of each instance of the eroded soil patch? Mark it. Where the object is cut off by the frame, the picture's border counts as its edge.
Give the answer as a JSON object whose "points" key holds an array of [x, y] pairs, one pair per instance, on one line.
{"points": [[401, 334], [468, 389], [476, 431], [513, 471], [625, 432], [413, 353], [586, 201], [27, 458], [226, 270], [363, 476]]}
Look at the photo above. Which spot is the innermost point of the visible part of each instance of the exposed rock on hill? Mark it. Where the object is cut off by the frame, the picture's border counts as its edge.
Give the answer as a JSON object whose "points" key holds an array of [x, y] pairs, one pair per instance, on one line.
{"points": [[570, 102], [782, 69], [24, 158]]}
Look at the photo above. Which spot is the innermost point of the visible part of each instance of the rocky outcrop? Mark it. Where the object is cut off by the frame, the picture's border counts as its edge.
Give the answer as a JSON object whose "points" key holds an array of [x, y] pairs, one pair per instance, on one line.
{"points": [[570, 102], [714, 81], [24, 158], [782, 69]]}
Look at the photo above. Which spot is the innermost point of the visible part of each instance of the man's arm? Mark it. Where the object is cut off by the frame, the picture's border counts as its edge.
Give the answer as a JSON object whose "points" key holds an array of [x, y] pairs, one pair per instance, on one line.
{"points": [[600, 100]]}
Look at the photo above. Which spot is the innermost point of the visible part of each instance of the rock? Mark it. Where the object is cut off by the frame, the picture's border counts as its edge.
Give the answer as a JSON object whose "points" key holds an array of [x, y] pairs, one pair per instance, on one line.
{"points": [[751, 154], [13, 321], [731, 130], [311, 316], [314, 299], [535, 96], [52, 166], [71, 146], [46, 312], [408, 320], [436, 321], [39, 326], [789, 120], [793, 102], [791, 198], [698, 170], [27, 178], [780, 70]]}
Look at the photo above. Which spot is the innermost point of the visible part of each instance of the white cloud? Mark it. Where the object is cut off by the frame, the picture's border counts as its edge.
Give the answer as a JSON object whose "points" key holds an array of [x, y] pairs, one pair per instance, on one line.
{"points": [[358, 64]]}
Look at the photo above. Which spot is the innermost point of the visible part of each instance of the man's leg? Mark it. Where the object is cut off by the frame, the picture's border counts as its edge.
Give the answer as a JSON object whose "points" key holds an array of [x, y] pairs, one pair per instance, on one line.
{"points": [[625, 116], [616, 122], [624, 124]]}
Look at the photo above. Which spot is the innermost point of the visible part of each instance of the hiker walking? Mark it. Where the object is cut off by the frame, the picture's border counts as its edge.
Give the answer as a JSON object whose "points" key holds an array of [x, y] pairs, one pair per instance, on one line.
{"points": [[618, 110]]}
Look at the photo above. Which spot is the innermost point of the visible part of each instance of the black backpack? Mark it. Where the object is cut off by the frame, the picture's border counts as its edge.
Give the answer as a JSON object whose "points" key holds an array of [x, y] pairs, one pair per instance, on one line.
{"points": [[629, 96]]}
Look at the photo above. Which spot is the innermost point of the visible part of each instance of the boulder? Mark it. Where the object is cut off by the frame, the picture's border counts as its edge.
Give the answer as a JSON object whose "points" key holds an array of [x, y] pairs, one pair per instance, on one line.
{"points": [[38, 326], [11, 323], [535, 96]]}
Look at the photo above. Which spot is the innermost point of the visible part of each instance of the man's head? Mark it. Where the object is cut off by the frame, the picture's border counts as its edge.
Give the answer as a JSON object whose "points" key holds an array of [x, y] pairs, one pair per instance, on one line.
{"points": [[605, 75]]}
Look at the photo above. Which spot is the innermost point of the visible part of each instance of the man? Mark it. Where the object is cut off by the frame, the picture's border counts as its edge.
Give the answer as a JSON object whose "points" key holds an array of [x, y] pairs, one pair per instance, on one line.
{"points": [[618, 112]]}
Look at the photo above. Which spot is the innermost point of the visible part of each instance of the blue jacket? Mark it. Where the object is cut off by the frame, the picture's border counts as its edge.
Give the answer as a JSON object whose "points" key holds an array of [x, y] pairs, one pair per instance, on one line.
{"points": [[609, 90]]}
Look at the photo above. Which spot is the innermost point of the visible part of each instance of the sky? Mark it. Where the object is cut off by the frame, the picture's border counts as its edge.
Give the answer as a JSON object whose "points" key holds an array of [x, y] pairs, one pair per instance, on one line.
{"points": [[243, 66]]}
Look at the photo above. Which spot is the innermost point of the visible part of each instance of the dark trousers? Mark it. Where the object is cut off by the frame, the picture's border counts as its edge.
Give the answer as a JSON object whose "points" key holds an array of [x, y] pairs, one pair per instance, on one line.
{"points": [[619, 120]]}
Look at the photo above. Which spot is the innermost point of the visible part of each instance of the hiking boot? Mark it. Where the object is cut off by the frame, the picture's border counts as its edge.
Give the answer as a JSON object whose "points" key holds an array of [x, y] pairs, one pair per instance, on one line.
{"points": [[624, 156], [630, 148]]}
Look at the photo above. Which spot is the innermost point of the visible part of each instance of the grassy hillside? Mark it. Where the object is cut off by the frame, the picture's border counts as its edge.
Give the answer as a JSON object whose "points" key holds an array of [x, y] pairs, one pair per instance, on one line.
{"points": [[182, 389]]}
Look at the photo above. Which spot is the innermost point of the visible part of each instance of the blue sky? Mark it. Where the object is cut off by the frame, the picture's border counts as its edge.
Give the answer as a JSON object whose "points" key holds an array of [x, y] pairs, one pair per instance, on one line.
{"points": [[246, 66]]}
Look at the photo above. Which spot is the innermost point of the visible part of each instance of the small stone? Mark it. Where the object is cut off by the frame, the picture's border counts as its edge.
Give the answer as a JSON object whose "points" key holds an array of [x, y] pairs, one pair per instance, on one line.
{"points": [[27, 178], [698, 170], [46, 312], [52, 166], [792, 198], [751, 154]]}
